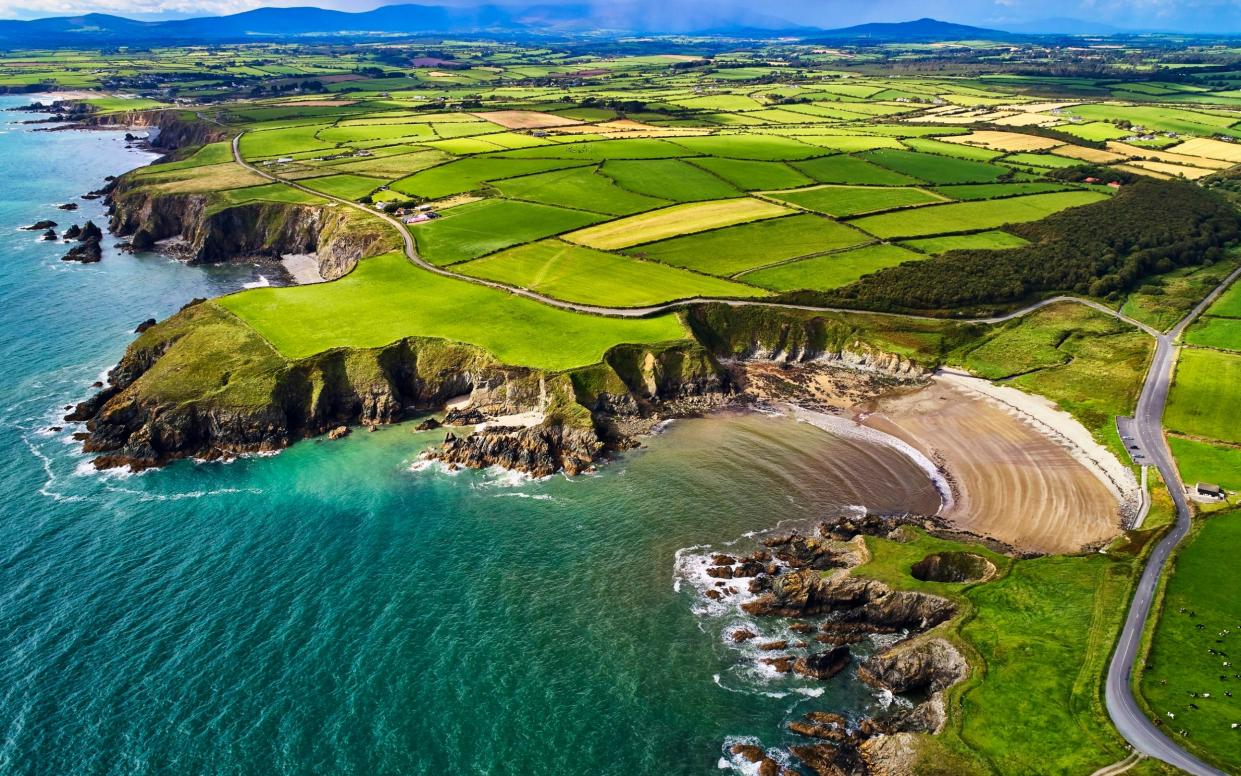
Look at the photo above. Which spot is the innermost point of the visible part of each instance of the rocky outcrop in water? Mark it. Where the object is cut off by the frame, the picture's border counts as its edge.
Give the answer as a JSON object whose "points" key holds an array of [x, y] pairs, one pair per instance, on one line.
{"points": [[89, 248], [537, 450]]}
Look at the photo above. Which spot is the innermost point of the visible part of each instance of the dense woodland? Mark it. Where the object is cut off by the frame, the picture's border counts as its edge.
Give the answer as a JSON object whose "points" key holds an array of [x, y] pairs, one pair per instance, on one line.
{"points": [[1149, 227]]}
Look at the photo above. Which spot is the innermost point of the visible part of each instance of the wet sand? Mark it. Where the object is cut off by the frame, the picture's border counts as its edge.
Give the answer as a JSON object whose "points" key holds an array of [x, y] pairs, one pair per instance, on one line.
{"points": [[1020, 471]]}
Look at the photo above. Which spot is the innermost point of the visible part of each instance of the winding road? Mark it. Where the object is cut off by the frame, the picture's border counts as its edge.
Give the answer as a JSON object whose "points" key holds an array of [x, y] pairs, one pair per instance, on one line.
{"points": [[1132, 723], [1128, 717]]}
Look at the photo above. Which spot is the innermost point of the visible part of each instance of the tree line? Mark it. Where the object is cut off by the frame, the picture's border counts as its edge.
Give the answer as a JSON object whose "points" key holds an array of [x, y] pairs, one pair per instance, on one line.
{"points": [[1149, 227]]}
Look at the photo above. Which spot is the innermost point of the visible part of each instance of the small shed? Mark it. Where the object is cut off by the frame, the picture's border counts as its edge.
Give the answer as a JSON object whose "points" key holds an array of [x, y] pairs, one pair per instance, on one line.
{"points": [[1209, 490]]}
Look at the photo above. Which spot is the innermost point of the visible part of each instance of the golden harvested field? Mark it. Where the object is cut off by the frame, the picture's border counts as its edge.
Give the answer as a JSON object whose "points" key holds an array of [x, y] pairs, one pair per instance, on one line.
{"points": [[1211, 149], [1174, 170], [525, 119], [673, 221], [1168, 157], [1163, 176], [1011, 481], [1028, 120], [1092, 155], [1003, 141]]}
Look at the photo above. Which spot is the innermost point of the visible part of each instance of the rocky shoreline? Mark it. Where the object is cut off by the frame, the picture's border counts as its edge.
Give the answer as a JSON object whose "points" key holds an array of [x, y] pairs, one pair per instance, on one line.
{"points": [[804, 583]]}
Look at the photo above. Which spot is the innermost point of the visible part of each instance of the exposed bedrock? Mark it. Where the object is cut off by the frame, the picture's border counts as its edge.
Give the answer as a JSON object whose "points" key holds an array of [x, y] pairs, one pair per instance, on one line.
{"points": [[864, 604], [918, 665], [209, 234]]}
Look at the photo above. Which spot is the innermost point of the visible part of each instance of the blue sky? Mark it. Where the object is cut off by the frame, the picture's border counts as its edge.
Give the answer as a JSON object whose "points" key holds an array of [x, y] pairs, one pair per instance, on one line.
{"points": [[1187, 15]]}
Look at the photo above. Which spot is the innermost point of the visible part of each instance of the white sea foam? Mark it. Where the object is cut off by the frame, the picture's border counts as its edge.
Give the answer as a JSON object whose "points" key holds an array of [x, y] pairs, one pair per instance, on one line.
{"points": [[262, 282]]}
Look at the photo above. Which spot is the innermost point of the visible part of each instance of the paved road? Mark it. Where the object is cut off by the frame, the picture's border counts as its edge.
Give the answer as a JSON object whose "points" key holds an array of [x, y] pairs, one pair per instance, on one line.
{"points": [[1129, 719], [411, 252]]}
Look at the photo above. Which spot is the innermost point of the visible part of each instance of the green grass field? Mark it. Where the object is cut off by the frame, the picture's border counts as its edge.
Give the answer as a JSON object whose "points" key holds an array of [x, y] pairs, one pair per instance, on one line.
{"points": [[850, 169], [476, 229], [990, 240], [970, 191], [464, 175], [832, 270], [1199, 605], [934, 168], [750, 175], [576, 274], [345, 186], [1045, 632], [842, 201], [386, 298], [668, 179], [1037, 638], [971, 216], [1212, 332], [584, 188], [738, 248], [1229, 303], [1204, 462], [1203, 401]]}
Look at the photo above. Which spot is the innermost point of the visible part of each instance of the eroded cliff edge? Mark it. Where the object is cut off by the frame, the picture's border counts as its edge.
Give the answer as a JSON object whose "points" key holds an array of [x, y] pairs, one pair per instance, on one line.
{"points": [[204, 384]]}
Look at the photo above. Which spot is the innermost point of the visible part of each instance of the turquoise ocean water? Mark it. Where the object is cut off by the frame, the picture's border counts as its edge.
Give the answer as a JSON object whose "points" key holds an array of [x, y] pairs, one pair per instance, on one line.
{"points": [[334, 610]]}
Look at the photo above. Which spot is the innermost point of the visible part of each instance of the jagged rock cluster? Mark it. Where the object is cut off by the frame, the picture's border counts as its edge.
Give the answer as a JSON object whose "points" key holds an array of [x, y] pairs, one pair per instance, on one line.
{"points": [[89, 248], [807, 578]]}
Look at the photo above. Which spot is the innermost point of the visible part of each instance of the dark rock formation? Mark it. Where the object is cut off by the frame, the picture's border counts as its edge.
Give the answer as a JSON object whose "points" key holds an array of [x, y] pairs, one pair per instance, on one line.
{"points": [[40, 225], [49, 235], [73, 232], [808, 552], [68, 206], [87, 252], [468, 416], [823, 665], [430, 424], [925, 665], [538, 450], [144, 326]]}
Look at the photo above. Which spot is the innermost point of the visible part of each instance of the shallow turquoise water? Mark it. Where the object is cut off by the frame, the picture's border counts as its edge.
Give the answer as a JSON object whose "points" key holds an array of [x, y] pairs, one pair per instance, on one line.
{"points": [[330, 610]]}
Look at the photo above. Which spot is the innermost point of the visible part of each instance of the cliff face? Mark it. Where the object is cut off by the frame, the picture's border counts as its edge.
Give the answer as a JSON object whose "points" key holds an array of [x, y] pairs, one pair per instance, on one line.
{"points": [[205, 384], [211, 234], [177, 128]]}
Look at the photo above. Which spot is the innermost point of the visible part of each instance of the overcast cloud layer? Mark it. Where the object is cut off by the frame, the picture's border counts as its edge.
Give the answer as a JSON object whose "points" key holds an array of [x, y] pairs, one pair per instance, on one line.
{"points": [[1185, 15]]}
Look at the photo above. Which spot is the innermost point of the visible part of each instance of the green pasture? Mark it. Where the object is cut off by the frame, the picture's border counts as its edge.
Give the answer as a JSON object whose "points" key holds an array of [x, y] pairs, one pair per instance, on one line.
{"points": [[1204, 397], [851, 200], [478, 228], [386, 299], [735, 249], [972, 216], [576, 274], [832, 270]]}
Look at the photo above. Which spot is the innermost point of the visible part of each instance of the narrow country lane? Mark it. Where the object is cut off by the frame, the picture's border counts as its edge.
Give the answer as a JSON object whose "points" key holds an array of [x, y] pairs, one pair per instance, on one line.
{"points": [[1128, 717]]}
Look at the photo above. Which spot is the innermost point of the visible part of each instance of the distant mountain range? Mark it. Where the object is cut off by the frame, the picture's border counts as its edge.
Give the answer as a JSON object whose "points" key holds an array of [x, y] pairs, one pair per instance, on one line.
{"points": [[920, 30], [695, 16]]}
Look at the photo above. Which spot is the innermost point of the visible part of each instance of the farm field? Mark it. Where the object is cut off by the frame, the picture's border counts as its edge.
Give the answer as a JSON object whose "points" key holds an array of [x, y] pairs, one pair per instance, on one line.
{"points": [[737, 248], [576, 274], [831, 270], [972, 216], [475, 229], [674, 221], [386, 298], [851, 200], [1203, 399], [990, 240], [1189, 676]]}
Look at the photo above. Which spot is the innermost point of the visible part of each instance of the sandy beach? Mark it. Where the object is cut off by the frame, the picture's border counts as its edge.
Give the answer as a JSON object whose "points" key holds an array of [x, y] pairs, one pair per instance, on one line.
{"points": [[1021, 470], [303, 267]]}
